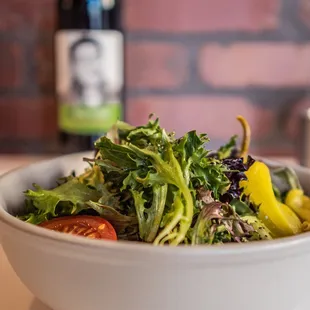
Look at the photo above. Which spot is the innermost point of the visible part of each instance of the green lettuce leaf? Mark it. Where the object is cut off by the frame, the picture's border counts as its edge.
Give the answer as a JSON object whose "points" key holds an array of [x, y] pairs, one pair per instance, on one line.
{"points": [[219, 223], [67, 199], [149, 218], [120, 221], [146, 165], [226, 150]]}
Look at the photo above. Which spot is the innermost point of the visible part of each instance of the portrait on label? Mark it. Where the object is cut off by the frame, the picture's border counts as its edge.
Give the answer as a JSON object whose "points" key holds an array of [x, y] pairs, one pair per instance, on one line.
{"points": [[90, 68]]}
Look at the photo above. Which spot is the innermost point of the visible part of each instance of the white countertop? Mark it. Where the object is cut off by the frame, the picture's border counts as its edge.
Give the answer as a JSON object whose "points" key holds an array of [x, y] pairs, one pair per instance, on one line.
{"points": [[13, 294]]}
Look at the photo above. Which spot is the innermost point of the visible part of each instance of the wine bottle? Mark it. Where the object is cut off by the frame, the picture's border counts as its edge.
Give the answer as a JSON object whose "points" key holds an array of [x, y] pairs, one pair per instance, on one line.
{"points": [[89, 58]]}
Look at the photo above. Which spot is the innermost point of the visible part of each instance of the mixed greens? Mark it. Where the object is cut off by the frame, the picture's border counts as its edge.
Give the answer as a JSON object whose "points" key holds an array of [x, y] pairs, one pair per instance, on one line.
{"points": [[156, 188]]}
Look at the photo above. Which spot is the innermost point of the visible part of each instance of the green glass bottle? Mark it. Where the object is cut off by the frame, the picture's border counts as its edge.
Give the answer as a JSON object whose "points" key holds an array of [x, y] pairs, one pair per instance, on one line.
{"points": [[89, 51]]}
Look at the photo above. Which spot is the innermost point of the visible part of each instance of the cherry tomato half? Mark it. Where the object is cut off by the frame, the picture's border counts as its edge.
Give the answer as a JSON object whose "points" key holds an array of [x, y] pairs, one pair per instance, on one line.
{"points": [[94, 227]]}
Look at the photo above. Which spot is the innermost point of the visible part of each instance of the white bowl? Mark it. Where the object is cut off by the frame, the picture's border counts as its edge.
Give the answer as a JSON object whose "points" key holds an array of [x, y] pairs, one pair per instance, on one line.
{"points": [[75, 273]]}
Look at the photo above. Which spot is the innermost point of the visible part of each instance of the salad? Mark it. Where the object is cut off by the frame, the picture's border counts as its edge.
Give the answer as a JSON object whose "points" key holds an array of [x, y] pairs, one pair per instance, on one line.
{"points": [[146, 185]]}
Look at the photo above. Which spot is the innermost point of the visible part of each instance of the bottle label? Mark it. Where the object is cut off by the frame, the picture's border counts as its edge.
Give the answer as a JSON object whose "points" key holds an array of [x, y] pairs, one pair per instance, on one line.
{"points": [[89, 80]]}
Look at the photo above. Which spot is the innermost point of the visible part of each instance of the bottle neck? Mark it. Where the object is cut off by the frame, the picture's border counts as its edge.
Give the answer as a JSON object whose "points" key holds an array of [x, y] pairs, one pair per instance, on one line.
{"points": [[89, 14], [96, 15]]}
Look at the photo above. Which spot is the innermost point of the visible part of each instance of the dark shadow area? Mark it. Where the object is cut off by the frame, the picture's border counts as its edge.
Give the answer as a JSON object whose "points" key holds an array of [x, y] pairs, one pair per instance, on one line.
{"points": [[38, 305]]}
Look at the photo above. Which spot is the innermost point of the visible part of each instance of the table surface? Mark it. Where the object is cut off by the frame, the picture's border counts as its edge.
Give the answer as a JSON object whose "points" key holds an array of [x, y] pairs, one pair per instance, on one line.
{"points": [[13, 294]]}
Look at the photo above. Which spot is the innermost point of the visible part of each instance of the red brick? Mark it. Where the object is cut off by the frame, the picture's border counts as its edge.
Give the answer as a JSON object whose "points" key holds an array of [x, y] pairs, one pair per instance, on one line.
{"points": [[155, 65], [27, 118], [293, 126], [201, 15], [11, 64], [257, 64], [304, 11], [44, 65], [213, 115], [21, 14]]}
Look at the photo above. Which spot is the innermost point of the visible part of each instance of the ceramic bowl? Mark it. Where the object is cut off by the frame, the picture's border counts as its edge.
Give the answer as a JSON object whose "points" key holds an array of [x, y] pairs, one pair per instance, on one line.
{"points": [[74, 273]]}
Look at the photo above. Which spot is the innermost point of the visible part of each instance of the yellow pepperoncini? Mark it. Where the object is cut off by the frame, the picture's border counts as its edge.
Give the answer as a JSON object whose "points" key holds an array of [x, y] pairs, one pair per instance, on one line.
{"points": [[278, 217], [305, 226], [299, 203]]}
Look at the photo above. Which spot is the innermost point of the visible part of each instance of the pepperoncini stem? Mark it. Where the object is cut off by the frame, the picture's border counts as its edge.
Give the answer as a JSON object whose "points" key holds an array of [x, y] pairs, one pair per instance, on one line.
{"points": [[305, 226], [246, 138], [278, 217], [299, 203]]}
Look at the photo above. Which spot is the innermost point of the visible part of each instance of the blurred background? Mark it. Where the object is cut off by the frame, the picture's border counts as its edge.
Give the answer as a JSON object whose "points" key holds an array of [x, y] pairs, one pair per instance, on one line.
{"points": [[194, 63]]}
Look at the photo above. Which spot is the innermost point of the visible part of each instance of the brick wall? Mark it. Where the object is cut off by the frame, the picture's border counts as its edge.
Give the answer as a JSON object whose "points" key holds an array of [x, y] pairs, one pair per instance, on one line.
{"points": [[27, 105], [195, 63]]}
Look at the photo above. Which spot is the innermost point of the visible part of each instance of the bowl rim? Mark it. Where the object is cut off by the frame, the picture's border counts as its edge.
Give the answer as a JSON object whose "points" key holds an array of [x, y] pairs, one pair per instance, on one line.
{"points": [[262, 250]]}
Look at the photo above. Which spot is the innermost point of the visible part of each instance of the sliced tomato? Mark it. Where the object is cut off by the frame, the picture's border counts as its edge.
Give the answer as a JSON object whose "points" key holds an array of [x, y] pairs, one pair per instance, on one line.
{"points": [[93, 227]]}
